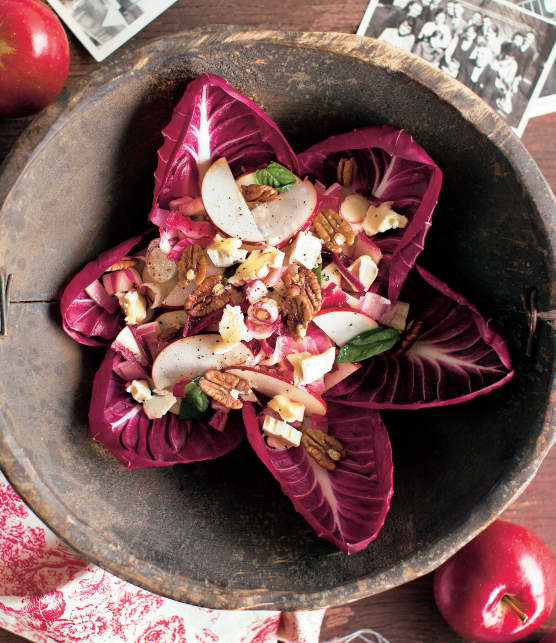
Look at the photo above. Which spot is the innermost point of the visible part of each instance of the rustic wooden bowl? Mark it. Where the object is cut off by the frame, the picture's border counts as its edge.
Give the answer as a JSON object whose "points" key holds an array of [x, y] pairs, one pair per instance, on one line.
{"points": [[221, 534]]}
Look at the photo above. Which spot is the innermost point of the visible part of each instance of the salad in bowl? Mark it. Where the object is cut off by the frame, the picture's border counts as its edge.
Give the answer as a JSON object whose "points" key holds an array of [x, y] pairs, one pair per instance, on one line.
{"points": [[276, 297]]}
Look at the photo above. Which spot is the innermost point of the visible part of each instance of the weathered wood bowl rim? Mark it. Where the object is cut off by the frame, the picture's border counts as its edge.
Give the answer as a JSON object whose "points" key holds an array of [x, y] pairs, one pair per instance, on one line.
{"points": [[50, 507]]}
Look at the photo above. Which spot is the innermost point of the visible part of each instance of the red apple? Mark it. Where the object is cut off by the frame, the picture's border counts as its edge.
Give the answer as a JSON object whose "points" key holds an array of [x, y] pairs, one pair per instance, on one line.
{"points": [[498, 588], [549, 638], [34, 57]]}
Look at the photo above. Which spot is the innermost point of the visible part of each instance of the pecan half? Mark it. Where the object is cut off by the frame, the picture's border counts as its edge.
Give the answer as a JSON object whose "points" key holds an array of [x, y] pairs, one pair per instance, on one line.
{"points": [[299, 313], [192, 264], [346, 171], [122, 264], [219, 385], [334, 230], [323, 448], [303, 301], [211, 295], [260, 193]]}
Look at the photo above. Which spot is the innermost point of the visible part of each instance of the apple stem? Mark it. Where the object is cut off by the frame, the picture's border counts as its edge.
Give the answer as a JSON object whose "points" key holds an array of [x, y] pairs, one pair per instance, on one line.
{"points": [[511, 603]]}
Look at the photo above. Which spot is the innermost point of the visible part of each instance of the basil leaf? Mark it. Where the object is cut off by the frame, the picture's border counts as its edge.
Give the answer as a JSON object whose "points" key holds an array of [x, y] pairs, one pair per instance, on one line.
{"points": [[281, 173], [195, 402], [264, 177], [368, 344], [318, 272], [188, 411], [275, 175]]}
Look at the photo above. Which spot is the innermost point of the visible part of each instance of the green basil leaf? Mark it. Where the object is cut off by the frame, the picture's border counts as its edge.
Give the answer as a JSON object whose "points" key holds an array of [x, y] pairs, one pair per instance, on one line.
{"points": [[281, 173], [318, 272], [368, 344], [188, 411], [195, 397], [264, 177], [275, 175]]}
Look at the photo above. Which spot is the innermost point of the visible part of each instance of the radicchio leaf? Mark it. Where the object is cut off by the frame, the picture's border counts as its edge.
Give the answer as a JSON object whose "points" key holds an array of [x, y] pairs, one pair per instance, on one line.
{"points": [[83, 318], [450, 354], [120, 424], [347, 506], [212, 120], [391, 167]]}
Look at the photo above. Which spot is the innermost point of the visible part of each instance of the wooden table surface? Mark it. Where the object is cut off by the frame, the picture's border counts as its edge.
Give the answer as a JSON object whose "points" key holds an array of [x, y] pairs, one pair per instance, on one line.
{"points": [[406, 614]]}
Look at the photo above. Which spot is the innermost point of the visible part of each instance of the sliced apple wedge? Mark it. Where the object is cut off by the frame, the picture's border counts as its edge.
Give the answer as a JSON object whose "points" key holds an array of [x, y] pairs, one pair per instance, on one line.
{"points": [[273, 222], [193, 356], [343, 324], [270, 384], [343, 370], [246, 179], [281, 218], [225, 204]]}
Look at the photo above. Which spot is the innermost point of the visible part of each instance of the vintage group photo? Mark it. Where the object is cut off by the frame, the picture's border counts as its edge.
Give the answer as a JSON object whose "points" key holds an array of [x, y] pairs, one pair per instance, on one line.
{"points": [[104, 25], [500, 51]]}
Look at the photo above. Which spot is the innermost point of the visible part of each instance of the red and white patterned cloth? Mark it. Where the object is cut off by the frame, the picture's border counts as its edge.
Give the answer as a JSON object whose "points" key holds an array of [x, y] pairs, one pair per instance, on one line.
{"points": [[48, 593]]}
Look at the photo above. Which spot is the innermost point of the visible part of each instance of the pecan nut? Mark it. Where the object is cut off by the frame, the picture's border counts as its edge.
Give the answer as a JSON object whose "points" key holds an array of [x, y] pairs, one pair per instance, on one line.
{"points": [[323, 448], [303, 301], [334, 230], [299, 313], [346, 171], [219, 386], [122, 264], [211, 295], [259, 193], [192, 265]]}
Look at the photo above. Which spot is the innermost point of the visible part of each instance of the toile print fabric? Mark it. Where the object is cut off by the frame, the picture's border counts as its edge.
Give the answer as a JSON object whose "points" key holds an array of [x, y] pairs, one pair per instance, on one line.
{"points": [[48, 593]]}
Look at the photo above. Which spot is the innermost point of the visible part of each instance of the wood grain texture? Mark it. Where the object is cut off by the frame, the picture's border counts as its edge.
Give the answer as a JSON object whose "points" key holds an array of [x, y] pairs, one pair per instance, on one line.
{"points": [[406, 614]]}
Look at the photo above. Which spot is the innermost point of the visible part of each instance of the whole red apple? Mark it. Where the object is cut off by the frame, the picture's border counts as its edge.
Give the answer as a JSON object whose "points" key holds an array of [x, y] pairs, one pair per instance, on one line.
{"points": [[498, 588], [34, 57]]}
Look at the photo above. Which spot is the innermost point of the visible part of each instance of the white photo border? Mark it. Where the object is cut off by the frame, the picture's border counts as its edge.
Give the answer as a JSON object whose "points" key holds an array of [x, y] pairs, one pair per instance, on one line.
{"points": [[536, 106], [100, 52]]}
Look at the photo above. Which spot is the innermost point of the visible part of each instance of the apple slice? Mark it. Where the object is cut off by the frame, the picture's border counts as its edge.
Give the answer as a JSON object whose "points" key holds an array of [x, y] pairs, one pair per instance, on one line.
{"points": [[279, 219], [343, 324], [193, 356], [343, 370], [246, 179], [270, 384], [225, 204]]}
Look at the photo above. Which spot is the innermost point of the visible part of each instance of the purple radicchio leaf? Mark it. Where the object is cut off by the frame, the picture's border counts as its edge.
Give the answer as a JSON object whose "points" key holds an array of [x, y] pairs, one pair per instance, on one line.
{"points": [[211, 121], [83, 318], [347, 506], [391, 167], [450, 354], [120, 424]]}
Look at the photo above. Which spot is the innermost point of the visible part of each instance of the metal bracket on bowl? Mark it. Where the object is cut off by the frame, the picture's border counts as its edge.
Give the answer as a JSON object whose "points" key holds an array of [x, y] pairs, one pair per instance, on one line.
{"points": [[5, 282], [530, 305]]}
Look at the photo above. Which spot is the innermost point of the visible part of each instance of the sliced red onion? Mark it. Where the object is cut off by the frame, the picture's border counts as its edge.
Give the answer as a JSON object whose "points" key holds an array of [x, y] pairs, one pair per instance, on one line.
{"points": [[351, 279], [261, 330], [129, 371], [219, 420], [179, 387], [374, 305], [150, 334], [195, 325], [274, 276], [364, 245], [333, 297], [187, 205], [116, 281], [99, 295]]}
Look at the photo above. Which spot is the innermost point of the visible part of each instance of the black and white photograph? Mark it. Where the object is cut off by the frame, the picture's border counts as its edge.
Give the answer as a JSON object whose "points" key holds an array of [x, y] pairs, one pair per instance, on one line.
{"points": [[104, 25], [501, 52]]}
